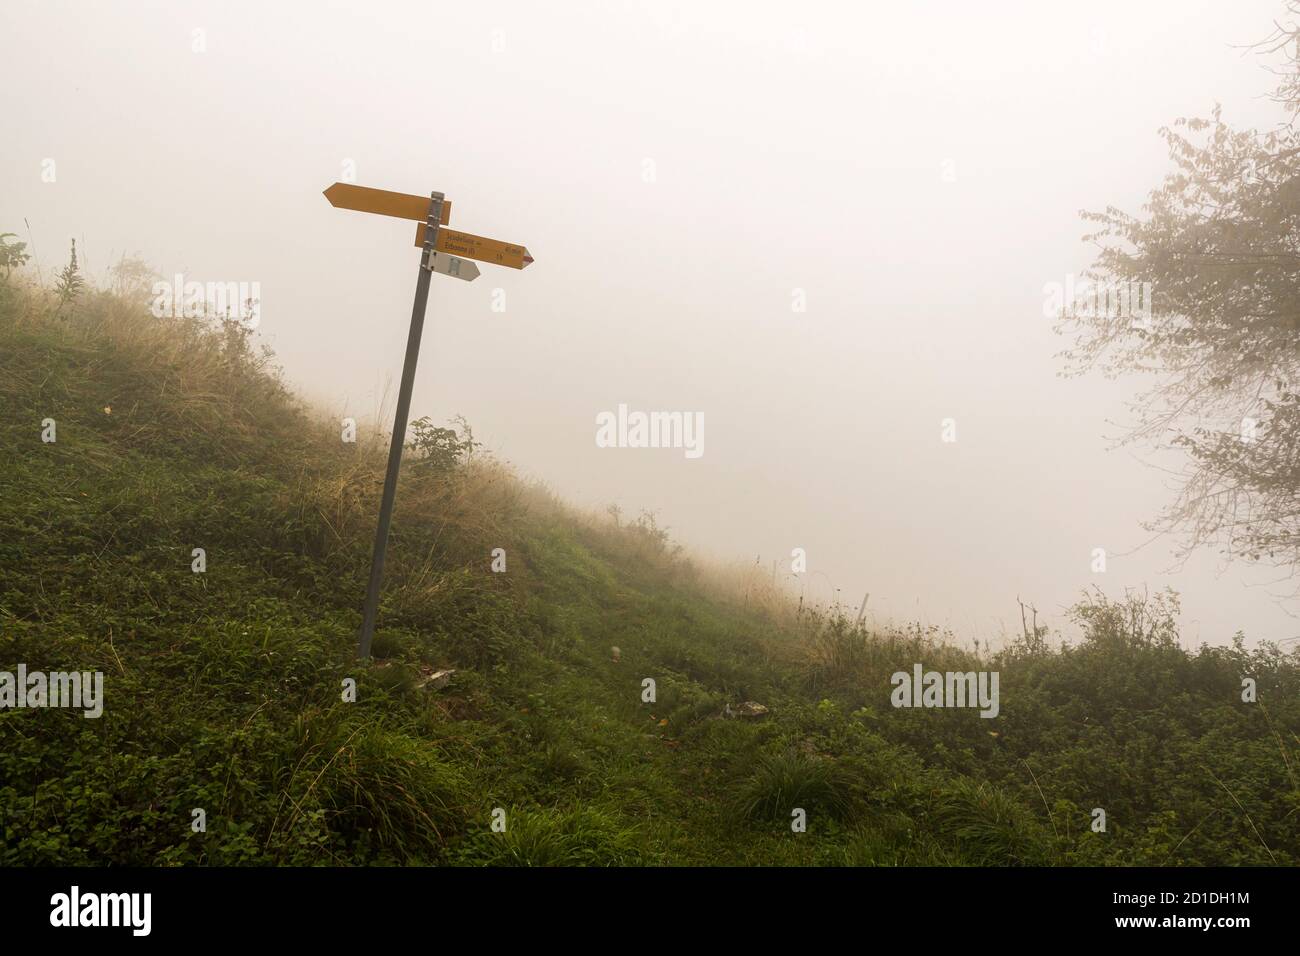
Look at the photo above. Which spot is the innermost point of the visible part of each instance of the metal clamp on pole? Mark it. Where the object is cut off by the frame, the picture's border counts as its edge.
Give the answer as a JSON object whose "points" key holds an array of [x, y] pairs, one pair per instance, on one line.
{"points": [[431, 230]]}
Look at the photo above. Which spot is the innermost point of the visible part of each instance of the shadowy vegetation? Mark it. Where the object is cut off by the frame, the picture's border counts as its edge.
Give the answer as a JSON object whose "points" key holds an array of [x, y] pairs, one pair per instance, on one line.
{"points": [[223, 689]]}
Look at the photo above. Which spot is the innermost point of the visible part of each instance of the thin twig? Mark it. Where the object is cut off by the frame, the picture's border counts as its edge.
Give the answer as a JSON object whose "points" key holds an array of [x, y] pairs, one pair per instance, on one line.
{"points": [[1044, 798]]}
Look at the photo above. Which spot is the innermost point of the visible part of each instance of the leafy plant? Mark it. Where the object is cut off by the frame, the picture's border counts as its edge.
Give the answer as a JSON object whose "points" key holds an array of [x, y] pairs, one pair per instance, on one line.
{"points": [[13, 254], [69, 282], [439, 450]]}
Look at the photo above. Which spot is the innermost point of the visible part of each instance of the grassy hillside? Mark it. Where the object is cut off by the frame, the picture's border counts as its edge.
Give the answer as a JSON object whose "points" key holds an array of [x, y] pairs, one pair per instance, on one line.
{"points": [[224, 688]]}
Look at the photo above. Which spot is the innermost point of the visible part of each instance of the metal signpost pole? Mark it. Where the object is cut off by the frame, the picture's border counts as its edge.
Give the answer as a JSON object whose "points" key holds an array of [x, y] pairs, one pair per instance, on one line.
{"points": [[448, 253], [399, 423]]}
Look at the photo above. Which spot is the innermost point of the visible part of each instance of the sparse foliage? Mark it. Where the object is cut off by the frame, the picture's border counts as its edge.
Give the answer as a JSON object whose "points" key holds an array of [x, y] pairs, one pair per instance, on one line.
{"points": [[13, 254], [1219, 243], [439, 450], [69, 283], [132, 277]]}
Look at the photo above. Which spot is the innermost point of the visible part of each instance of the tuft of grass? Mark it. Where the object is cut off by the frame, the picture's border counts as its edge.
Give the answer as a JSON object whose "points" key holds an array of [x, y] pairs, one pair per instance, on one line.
{"points": [[377, 790], [588, 836], [778, 784], [988, 827]]}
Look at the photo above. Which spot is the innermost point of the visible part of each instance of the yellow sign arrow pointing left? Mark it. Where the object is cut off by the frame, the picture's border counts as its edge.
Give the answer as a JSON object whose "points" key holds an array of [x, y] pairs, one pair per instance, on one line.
{"points": [[383, 203]]}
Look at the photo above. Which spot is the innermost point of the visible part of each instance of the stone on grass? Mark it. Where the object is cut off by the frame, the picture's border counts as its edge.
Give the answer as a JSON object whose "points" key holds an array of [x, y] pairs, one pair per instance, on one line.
{"points": [[435, 681], [748, 710]]}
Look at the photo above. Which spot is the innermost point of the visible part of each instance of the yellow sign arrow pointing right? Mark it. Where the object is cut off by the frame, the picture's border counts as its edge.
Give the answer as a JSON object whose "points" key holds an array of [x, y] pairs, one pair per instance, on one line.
{"points": [[477, 247]]}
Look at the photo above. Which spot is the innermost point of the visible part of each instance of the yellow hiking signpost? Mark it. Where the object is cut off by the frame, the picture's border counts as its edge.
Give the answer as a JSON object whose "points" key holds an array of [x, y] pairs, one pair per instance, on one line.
{"points": [[476, 247], [447, 253], [383, 203]]}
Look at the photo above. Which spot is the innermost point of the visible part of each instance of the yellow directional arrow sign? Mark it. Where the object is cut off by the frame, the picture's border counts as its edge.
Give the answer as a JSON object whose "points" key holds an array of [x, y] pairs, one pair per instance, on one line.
{"points": [[383, 203], [477, 247]]}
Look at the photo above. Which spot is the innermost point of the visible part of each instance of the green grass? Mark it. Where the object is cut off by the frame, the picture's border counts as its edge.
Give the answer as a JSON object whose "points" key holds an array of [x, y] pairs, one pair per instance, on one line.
{"points": [[224, 689]]}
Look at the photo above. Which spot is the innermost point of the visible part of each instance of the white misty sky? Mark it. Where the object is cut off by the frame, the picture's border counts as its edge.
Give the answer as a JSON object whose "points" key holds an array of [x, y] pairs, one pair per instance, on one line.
{"points": [[794, 147]]}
